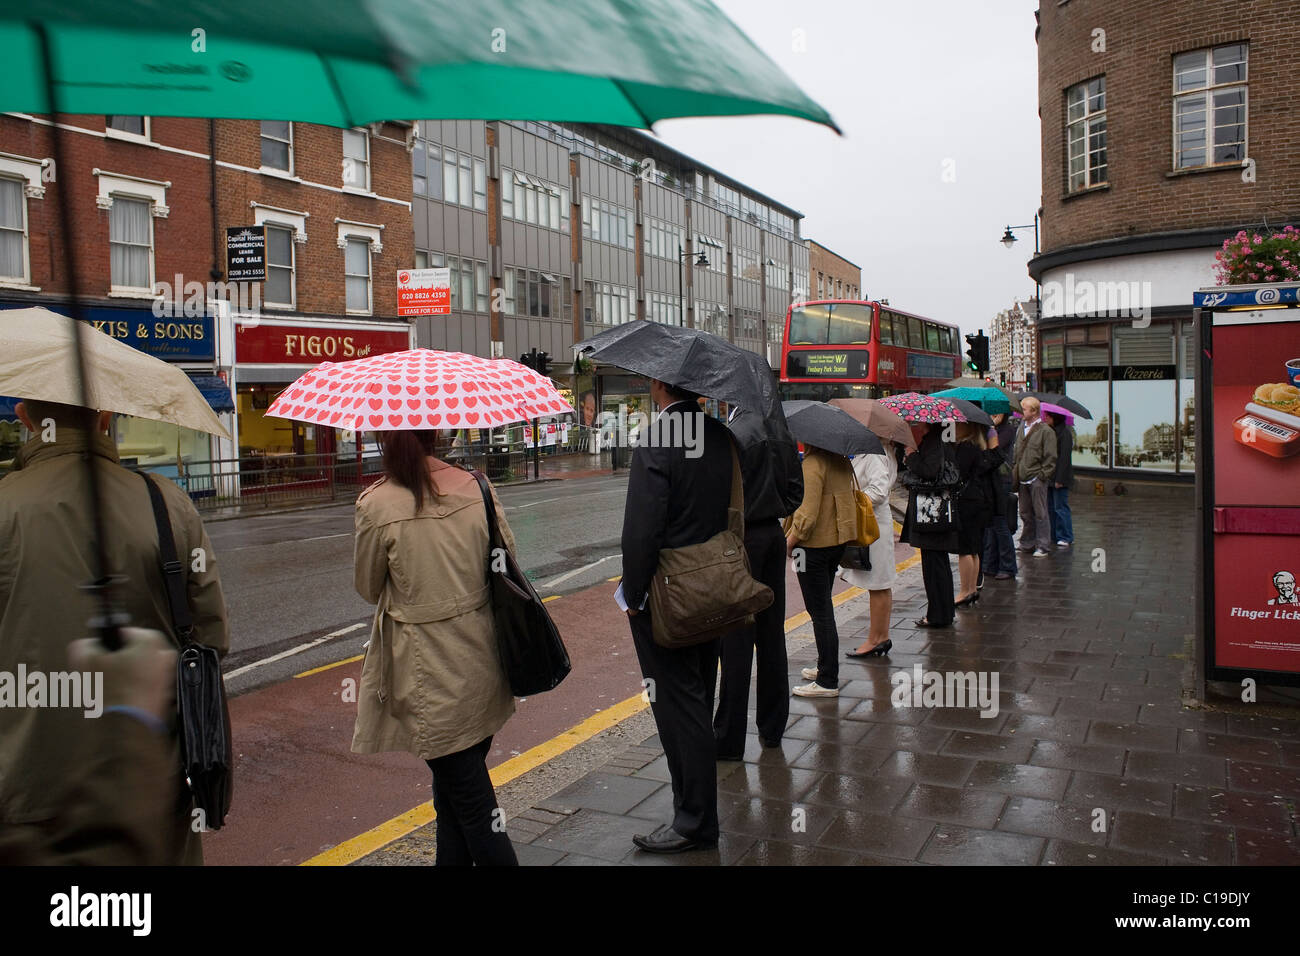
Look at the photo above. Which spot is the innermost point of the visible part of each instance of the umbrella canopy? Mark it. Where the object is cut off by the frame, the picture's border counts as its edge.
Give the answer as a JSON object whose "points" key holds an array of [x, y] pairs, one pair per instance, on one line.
{"points": [[880, 419], [831, 429], [419, 389], [689, 358], [37, 362], [1056, 411], [992, 400], [351, 62], [1063, 401], [972, 411], [923, 409], [967, 381]]}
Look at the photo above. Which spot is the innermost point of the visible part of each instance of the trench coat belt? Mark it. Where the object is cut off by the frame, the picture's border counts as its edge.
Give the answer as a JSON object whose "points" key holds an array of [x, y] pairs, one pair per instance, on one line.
{"points": [[416, 614]]}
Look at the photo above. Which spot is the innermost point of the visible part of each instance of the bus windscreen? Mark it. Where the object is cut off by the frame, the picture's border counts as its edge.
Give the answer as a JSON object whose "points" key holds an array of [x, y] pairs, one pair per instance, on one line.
{"points": [[830, 323]]}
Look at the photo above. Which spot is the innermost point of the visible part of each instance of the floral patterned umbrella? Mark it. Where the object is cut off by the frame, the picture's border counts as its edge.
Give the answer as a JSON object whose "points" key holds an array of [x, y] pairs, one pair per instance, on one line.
{"points": [[919, 409], [419, 389]]}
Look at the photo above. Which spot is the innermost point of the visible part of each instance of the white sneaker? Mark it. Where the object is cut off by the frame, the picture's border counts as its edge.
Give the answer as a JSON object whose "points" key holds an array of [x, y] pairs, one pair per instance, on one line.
{"points": [[816, 690], [1062, 544], [1040, 553], [809, 673]]}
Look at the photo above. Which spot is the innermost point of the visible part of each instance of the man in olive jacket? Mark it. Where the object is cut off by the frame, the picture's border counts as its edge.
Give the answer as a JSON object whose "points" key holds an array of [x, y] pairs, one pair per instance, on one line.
{"points": [[45, 560], [1033, 471]]}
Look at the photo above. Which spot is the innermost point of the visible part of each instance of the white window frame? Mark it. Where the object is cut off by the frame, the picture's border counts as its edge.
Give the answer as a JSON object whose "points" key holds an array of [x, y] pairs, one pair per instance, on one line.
{"points": [[373, 235], [20, 281], [363, 187], [129, 137], [1207, 92], [134, 292], [293, 265], [28, 171], [275, 170], [370, 276], [1087, 120]]}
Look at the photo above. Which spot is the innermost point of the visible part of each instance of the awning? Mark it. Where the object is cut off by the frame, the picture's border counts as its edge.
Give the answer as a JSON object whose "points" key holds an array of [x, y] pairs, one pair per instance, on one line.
{"points": [[214, 390]]}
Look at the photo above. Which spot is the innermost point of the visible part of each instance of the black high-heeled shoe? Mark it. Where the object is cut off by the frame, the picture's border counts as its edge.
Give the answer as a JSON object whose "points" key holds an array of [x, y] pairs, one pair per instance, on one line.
{"points": [[880, 650], [968, 602]]}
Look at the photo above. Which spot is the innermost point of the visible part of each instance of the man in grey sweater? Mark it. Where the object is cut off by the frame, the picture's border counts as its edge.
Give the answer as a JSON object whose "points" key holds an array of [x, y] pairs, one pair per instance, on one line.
{"points": [[1033, 470]]}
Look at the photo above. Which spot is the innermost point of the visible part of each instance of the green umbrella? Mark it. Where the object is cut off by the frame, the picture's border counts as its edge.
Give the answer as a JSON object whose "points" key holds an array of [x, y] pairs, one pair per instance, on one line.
{"points": [[991, 399], [351, 62]]}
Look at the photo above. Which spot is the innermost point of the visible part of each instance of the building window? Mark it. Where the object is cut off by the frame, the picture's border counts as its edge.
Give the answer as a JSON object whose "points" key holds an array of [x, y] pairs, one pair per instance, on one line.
{"points": [[277, 145], [13, 230], [480, 287], [129, 125], [449, 190], [663, 239], [606, 222], [1210, 106], [356, 159], [279, 289], [130, 243], [427, 168], [466, 183], [357, 271], [421, 260], [608, 304], [480, 186], [1085, 129]]}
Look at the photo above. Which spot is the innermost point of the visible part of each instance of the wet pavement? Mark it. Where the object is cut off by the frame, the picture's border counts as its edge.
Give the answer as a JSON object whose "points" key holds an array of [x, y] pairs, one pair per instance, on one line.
{"points": [[1090, 758]]}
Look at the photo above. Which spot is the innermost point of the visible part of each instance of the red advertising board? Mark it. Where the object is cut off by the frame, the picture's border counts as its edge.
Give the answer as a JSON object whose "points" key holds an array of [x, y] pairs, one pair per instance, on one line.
{"points": [[1252, 543], [424, 291], [265, 344]]}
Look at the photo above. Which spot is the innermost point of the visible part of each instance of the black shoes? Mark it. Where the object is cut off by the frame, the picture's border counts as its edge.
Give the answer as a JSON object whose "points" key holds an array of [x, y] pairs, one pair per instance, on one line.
{"points": [[880, 650], [668, 840], [969, 602]]}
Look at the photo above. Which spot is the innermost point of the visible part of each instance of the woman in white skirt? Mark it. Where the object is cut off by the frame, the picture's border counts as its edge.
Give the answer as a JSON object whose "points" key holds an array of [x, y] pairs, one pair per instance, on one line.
{"points": [[876, 474]]}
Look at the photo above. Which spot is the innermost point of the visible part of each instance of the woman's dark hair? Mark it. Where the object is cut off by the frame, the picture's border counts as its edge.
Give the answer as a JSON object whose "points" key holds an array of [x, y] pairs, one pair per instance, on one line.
{"points": [[406, 456]]}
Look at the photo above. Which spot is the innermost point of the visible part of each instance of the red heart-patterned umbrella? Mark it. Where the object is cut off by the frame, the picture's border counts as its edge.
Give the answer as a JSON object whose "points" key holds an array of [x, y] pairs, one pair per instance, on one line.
{"points": [[419, 389], [917, 408]]}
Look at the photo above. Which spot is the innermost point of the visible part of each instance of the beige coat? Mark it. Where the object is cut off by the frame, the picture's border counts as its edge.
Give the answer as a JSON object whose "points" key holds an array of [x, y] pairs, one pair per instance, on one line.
{"points": [[432, 682], [828, 514], [45, 534]]}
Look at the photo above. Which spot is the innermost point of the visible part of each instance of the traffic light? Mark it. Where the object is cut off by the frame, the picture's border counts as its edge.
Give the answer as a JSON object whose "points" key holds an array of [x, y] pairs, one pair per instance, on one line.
{"points": [[1004, 379], [526, 359], [978, 353], [543, 363]]}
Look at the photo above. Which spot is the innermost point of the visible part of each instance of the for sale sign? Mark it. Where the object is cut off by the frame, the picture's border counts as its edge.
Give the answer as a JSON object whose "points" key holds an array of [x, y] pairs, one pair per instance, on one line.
{"points": [[424, 292], [246, 253]]}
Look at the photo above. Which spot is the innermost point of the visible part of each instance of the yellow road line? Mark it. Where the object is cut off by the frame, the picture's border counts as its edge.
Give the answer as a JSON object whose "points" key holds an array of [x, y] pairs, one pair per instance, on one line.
{"points": [[317, 670], [385, 833], [553, 597]]}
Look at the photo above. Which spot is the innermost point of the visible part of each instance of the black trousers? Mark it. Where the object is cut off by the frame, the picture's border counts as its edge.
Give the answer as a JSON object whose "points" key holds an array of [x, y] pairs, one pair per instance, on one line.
{"points": [[936, 572], [816, 582], [470, 830], [681, 698], [765, 546]]}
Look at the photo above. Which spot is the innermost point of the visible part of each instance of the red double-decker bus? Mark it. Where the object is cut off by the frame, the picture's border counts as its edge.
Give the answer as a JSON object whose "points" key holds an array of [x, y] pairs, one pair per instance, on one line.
{"points": [[846, 348]]}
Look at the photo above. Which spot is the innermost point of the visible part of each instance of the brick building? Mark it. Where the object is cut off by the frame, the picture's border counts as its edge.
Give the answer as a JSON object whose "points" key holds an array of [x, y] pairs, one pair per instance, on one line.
{"points": [[1166, 128], [832, 276], [1013, 344]]}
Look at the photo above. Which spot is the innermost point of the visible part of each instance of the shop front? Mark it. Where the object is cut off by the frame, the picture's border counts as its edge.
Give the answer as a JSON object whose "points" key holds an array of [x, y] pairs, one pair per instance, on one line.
{"points": [[190, 343], [1137, 379], [269, 355]]}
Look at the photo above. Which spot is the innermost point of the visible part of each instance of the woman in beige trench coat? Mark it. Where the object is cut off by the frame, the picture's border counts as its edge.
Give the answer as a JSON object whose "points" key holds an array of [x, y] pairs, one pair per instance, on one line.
{"points": [[432, 682]]}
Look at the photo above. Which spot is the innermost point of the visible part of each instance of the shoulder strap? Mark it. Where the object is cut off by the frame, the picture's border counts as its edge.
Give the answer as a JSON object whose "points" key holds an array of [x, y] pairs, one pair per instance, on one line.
{"points": [[737, 487], [173, 579], [485, 489]]}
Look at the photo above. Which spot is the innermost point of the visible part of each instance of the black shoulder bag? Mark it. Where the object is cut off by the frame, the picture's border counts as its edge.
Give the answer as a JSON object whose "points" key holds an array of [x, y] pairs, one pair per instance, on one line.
{"points": [[532, 654], [204, 718]]}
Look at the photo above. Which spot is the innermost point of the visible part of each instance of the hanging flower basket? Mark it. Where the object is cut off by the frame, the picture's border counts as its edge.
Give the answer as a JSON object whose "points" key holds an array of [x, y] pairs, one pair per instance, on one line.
{"points": [[1253, 257]]}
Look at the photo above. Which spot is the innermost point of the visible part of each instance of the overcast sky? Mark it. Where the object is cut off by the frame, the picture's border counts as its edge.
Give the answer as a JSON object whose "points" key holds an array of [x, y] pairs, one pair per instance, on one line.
{"points": [[912, 85]]}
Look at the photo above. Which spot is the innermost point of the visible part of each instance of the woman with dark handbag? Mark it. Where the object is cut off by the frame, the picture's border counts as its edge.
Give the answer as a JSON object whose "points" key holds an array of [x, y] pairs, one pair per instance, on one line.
{"points": [[432, 682], [976, 505], [932, 531], [824, 523]]}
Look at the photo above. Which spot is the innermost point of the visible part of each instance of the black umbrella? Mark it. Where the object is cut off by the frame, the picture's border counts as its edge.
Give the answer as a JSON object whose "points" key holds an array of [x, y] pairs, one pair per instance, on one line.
{"points": [[972, 411], [831, 429], [688, 358], [1056, 398]]}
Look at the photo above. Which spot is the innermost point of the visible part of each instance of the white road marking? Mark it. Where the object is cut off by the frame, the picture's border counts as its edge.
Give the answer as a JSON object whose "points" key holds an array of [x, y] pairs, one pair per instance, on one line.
{"points": [[295, 650], [586, 567]]}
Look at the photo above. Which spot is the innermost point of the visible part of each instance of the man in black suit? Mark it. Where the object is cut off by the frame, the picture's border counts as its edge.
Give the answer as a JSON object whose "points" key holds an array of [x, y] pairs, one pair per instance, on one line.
{"points": [[678, 490], [773, 482]]}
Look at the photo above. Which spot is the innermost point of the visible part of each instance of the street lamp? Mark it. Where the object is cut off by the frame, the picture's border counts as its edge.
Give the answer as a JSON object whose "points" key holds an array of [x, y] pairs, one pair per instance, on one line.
{"points": [[701, 260], [1009, 237]]}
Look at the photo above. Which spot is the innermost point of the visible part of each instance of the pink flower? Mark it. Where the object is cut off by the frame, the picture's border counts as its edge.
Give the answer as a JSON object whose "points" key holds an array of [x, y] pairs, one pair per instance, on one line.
{"points": [[1258, 240]]}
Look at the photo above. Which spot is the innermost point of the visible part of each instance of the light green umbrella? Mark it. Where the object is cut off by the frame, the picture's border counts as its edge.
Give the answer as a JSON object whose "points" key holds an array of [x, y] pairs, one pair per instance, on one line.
{"points": [[351, 62]]}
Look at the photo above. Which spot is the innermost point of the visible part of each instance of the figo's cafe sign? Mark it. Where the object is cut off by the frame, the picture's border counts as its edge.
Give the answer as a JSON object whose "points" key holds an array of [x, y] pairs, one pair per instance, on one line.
{"points": [[308, 345]]}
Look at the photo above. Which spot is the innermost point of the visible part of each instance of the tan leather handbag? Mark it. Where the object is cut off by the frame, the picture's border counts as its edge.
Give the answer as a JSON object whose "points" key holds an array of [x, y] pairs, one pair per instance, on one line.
{"points": [[701, 591], [868, 529]]}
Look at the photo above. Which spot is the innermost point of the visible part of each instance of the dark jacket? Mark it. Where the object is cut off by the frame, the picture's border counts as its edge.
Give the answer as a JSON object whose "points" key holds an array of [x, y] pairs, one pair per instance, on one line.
{"points": [[926, 463], [1064, 453], [1007, 433], [673, 500], [977, 467], [769, 469]]}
